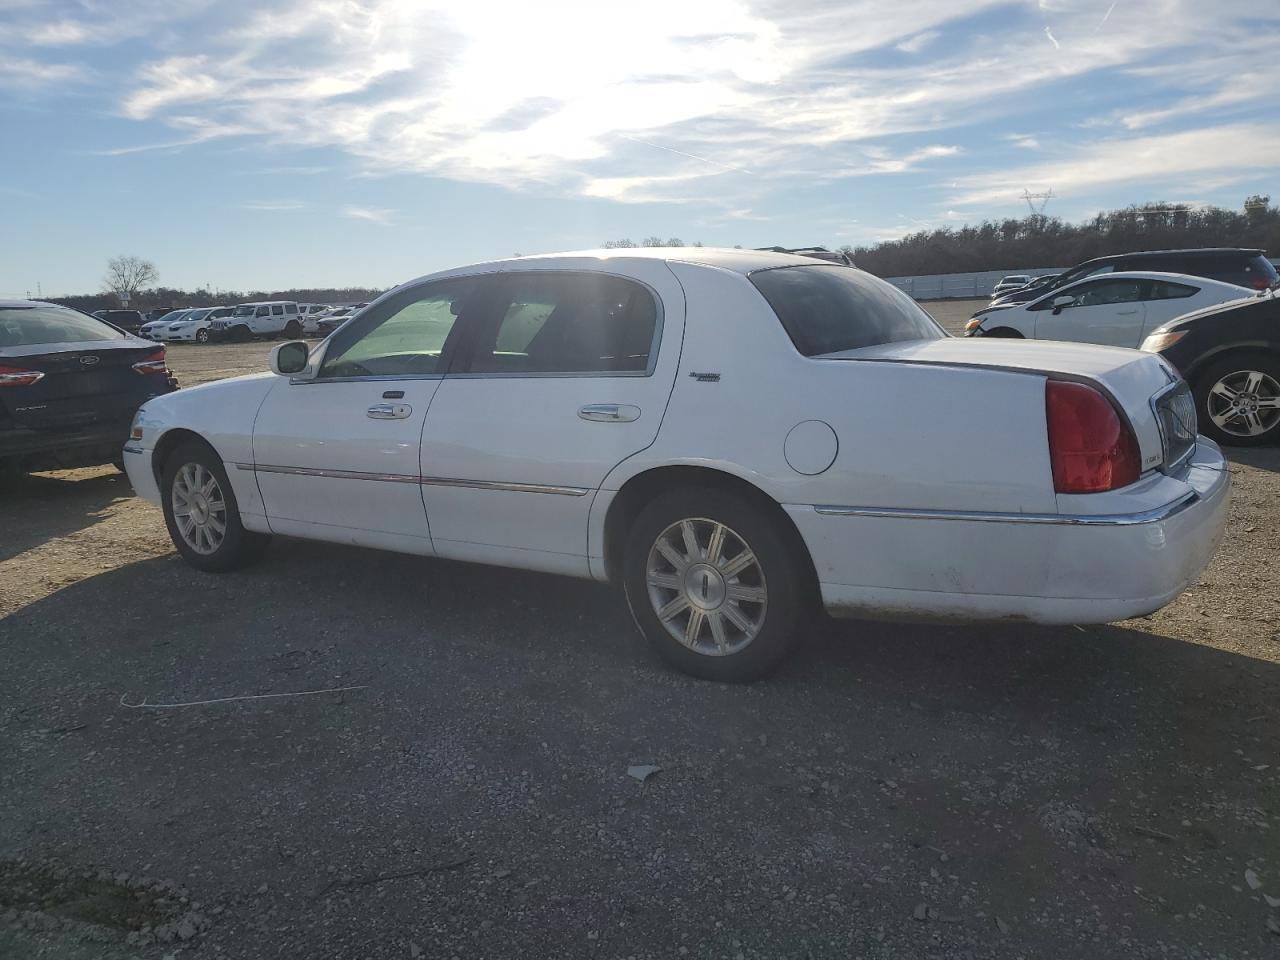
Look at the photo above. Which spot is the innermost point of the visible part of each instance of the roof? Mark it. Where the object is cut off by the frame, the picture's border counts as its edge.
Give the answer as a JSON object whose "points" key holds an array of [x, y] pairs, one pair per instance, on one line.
{"points": [[725, 258], [20, 304], [1187, 250]]}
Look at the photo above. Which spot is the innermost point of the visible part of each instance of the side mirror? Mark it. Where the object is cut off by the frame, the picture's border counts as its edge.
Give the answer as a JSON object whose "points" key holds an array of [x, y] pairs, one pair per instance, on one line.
{"points": [[290, 359], [1062, 300]]}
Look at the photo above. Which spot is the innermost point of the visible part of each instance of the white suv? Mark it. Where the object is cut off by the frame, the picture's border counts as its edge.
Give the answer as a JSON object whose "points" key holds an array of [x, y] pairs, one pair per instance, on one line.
{"points": [[265, 318]]}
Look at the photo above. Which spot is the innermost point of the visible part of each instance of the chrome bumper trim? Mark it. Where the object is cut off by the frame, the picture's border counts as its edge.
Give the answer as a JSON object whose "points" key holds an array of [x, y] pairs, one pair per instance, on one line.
{"points": [[1060, 519], [408, 478]]}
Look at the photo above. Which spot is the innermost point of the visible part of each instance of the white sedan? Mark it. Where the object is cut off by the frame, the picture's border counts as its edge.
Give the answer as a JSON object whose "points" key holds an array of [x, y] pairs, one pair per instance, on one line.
{"points": [[1116, 309], [736, 437]]}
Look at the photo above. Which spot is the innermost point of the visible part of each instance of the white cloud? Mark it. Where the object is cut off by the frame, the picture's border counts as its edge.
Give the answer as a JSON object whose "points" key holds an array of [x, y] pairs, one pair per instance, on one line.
{"points": [[376, 215], [918, 42], [1024, 140], [20, 73], [668, 100], [1176, 159]]}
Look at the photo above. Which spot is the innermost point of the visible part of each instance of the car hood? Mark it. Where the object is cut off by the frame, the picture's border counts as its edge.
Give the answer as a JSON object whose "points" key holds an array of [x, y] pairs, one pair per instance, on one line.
{"points": [[994, 307], [1216, 309]]}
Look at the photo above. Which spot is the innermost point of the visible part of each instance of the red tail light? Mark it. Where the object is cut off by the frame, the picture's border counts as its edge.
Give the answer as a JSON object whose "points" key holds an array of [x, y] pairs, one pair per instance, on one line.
{"points": [[18, 377], [152, 363], [1090, 447], [1262, 283]]}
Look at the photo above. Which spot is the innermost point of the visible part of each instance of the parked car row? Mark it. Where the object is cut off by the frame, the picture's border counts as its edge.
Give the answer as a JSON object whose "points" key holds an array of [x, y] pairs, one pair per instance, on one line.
{"points": [[1224, 296], [270, 318]]}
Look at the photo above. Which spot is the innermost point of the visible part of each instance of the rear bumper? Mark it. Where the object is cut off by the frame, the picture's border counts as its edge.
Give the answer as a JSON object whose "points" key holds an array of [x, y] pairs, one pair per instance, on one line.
{"points": [[65, 449], [1056, 569]]}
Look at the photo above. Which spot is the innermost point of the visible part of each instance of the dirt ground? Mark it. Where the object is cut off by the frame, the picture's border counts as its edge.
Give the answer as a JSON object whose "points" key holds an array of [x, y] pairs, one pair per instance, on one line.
{"points": [[896, 792]]}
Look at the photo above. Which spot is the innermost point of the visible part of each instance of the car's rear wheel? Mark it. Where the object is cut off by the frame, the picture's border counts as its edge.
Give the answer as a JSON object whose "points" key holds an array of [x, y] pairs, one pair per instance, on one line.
{"points": [[292, 330], [1238, 400], [202, 335], [201, 512], [714, 584]]}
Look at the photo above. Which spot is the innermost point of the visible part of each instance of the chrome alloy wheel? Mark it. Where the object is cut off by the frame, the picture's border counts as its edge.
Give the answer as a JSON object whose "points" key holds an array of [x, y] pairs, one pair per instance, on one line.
{"points": [[706, 586], [199, 509], [1245, 403]]}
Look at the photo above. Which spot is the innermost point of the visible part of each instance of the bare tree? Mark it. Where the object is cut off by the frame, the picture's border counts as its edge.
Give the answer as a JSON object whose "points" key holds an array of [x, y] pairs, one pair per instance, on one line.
{"points": [[126, 275]]}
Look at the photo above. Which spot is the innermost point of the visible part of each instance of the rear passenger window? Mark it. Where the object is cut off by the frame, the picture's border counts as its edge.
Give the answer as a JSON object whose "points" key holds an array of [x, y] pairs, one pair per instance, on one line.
{"points": [[277, 311], [290, 308], [827, 309], [567, 323], [1165, 290]]}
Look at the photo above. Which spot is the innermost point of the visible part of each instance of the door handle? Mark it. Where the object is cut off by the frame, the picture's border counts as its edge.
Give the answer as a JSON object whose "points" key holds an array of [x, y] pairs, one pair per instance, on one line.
{"points": [[389, 411], [1125, 313], [610, 412]]}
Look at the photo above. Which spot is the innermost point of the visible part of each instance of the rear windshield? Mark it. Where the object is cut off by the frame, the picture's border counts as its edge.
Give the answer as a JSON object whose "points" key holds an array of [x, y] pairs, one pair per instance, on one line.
{"points": [[50, 324], [829, 308]]}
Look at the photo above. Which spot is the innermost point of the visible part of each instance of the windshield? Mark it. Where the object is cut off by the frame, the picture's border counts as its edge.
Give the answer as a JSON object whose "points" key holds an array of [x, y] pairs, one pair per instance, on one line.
{"points": [[829, 308], [244, 310], [197, 314], [171, 316], [47, 323]]}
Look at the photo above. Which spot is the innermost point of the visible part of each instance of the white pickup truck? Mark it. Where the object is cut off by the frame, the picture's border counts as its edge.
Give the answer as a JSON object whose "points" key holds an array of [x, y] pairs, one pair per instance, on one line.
{"points": [[267, 318]]}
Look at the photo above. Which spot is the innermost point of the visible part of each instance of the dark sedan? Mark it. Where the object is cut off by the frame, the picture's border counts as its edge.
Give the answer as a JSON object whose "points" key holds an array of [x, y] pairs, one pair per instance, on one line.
{"points": [[69, 386], [1230, 354]]}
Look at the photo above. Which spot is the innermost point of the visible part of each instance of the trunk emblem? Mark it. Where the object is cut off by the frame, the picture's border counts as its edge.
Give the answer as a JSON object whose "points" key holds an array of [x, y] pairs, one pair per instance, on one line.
{"points": [[88, 361]]}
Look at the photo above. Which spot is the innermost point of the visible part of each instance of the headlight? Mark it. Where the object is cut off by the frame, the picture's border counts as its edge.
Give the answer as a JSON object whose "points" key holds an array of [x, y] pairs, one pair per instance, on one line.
{"points": [[135, 431], [1162, 340], [973, 324]]}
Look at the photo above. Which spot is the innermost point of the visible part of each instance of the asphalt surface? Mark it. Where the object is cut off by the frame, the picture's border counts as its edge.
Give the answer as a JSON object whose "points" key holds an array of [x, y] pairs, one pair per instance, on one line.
{"points": [[896, 791]]}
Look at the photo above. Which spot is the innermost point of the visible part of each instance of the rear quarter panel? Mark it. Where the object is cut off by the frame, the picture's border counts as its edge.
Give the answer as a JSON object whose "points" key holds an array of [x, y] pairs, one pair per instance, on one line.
{"points": [[907, 435]]}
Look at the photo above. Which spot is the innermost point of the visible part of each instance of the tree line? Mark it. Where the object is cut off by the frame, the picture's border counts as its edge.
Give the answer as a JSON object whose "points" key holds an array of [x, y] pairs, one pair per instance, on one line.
{"points": [[157, 298], [1039, 241]]}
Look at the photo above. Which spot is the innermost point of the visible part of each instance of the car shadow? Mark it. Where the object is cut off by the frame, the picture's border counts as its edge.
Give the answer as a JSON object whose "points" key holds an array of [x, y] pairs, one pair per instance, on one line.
{"points": [[493, 704], [39, 507], [1262, 458]]}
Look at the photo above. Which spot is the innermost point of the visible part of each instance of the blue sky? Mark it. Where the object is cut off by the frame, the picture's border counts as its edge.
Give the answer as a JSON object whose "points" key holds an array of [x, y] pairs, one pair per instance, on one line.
{"points": [[334, 142]]}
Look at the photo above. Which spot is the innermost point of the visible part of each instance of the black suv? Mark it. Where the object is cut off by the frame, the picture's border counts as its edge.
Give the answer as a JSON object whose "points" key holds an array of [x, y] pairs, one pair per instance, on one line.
{"points": [[1239, 265], [127, 320]]}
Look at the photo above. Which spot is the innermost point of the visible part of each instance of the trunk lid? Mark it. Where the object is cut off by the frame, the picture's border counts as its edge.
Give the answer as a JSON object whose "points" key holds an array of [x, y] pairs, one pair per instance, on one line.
{"points": [[1132, 379], [83, 383]]}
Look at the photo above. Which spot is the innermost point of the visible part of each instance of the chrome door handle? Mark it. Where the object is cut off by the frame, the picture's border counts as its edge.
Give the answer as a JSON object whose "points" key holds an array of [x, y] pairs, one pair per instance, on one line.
{"points": [[389, 411], [1125, 313], [610, 412]]}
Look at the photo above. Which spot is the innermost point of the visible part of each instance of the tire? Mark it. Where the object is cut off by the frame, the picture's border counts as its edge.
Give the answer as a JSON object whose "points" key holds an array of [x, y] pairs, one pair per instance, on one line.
{"points": [[292, 330], [241, 334], [192, 465], [733, 640], [202, 335], [118, 463], [1251, 378]]}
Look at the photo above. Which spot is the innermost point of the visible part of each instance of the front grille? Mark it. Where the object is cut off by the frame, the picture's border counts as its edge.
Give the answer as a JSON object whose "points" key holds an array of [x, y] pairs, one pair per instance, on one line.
{"points": [[1175, 410]]}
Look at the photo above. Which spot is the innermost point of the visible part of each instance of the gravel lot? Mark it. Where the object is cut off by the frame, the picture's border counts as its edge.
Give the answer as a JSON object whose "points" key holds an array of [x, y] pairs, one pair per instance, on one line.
{"points": [[897, 792]]}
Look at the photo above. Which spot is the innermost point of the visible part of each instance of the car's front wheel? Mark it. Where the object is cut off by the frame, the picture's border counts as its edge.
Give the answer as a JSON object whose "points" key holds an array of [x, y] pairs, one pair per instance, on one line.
{"points": [[715, 585], [1238, 400], [201, 512], [202, 335]]}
